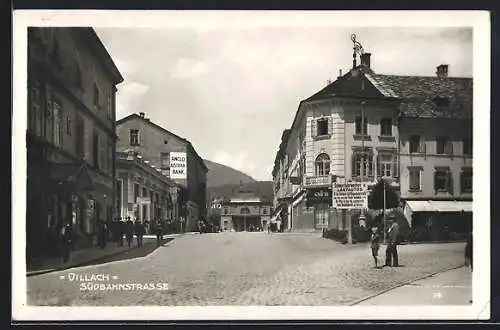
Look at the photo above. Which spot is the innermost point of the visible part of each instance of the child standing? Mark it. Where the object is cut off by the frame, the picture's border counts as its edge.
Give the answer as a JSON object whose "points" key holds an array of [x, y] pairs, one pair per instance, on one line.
{"points": [[375, 244]]}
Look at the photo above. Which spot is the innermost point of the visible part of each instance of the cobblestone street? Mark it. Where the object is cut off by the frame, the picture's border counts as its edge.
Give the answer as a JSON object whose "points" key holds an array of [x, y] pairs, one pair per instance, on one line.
{"points": [[248, 269]]}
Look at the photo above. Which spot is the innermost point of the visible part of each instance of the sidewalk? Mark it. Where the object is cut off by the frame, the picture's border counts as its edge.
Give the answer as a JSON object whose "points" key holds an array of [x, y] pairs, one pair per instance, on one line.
{"points": [[452, 287], [83, 257]]}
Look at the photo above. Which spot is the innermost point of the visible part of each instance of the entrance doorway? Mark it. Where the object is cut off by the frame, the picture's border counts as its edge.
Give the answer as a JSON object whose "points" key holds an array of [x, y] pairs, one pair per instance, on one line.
{"points": [[252, 223]]}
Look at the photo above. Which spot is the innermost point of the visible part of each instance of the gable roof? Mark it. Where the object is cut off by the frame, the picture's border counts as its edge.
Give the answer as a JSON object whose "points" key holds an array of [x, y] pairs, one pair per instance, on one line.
{"points": [[158, 127], [416, 93]]}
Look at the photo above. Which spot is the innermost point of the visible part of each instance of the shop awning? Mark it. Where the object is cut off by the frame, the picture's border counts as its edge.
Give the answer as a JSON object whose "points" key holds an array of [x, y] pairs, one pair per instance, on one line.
{"points": [[440, 206], [72, 173]]}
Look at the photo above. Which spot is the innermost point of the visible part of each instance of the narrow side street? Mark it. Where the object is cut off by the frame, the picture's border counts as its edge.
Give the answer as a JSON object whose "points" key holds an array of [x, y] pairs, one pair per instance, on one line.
{"points": [[247, 269]]}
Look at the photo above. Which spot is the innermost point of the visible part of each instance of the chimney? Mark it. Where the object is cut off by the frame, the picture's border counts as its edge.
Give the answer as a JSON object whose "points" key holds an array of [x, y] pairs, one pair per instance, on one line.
{"points": [[365, 59], [141, 114], [340, 73], [442, 71]]}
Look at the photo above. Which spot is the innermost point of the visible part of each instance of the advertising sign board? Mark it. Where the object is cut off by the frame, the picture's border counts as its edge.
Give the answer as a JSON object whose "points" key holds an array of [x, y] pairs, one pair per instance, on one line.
{"points": [[178, 165], [350, 195]]}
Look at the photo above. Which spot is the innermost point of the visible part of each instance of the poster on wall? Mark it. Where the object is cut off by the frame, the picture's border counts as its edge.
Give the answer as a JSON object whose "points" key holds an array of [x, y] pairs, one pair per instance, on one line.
{"points": [[350, 195], [178, 165]]}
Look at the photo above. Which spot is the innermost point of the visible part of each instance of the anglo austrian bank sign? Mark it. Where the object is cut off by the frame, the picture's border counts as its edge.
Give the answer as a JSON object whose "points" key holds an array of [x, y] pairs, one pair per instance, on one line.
{"points": [[178, 165]]}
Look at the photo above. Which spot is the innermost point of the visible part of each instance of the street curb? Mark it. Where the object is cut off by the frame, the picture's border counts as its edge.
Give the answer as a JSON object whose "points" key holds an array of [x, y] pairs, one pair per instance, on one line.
{"points": [[80, 264], [356, 302]]}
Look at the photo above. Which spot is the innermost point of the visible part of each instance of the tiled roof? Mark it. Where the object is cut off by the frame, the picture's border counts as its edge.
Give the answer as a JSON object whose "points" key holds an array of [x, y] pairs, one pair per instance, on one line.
{"points": [[418, 93]]}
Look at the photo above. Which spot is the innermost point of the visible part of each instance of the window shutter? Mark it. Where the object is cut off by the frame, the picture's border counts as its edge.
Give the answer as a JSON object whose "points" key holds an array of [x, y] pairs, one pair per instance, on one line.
{"points": [[314, 128], [330, 126], [422, 146], [435, 185], [138, 137], [449, 147], [130, 192], [395, 166]]}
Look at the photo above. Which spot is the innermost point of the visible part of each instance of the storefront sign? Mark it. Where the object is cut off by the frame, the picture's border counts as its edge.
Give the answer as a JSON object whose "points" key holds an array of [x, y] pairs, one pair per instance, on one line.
{"points": [[178, 165], [143, 200], [350, 195], [319, 196]]}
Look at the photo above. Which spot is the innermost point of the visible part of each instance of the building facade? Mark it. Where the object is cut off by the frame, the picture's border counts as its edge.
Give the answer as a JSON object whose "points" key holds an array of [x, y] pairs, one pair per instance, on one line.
{"points": [[361, 128], [244, 211], [157, 145], [71, 134], [142, 191]]}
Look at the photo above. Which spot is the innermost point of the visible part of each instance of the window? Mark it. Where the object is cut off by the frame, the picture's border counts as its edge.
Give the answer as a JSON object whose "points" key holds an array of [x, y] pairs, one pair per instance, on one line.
{"points": [[35, 108], [442, 180], [360, 159], [264, 211], [358, 125], [322, 165], [245, 210], [136, 192], [321, 216], [385, 165], [440, 145], [467, 146], [414, 181], [226, 211], [144, 192], [134, 137], [68, 125], [415, 144], [58, 127], [322, 126], [118, 197], [165, 160], [80, 137], [386, 127], [466, 181], [96, 96], [95, 150], [110, 157]]}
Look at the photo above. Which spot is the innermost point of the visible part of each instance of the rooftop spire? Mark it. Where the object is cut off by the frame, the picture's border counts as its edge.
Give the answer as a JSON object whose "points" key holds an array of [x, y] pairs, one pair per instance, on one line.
{"points": [[357, 49]]}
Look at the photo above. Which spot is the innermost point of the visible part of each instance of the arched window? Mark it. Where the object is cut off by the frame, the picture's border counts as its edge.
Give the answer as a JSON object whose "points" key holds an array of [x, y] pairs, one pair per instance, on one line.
{"points": [[322, 165], [245, 210]]}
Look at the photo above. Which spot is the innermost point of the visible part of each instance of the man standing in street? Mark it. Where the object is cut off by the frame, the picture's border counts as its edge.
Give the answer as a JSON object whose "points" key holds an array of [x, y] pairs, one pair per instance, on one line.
{"points": [[159, 232], [66, 239], [391, 252]]}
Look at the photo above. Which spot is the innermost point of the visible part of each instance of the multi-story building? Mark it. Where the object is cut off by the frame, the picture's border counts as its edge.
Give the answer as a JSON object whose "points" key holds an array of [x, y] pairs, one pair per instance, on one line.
{"points": [[436, 152], [350, 131], [71, 134], [175, 156], [245, 211], [142, 191], [345, 132]]}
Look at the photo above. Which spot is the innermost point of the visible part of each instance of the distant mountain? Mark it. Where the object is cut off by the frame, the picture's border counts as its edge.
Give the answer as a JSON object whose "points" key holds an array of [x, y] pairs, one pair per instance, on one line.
{"points": [[220, 175], [263, 189]]}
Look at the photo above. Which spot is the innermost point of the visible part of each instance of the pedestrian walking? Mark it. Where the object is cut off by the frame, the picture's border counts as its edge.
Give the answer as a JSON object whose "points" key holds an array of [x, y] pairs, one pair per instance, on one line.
{"points": [[66, 240], [101, 234], [159, 232], [391, 252], [375, 244], [468, 252], [129, 231], [139, 230]]}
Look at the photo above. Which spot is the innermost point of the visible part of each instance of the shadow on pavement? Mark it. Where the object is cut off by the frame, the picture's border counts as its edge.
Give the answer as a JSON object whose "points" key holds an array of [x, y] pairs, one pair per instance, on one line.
{"points": [[147, 247]]}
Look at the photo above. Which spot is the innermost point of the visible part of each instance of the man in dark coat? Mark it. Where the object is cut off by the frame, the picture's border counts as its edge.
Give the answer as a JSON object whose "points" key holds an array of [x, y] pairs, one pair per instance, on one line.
{"points": [[139, 230], [66, 240], [159, 232], [391, 252], [129, 231]]}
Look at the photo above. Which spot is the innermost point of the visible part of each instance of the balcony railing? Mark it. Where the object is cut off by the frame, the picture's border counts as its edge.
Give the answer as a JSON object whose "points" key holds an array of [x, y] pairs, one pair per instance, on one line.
{"points": [[318, 180]]}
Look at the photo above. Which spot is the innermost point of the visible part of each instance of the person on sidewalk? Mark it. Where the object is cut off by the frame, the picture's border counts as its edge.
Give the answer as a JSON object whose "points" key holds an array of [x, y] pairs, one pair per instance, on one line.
{"points": [[102, 233], [391, 252], [129, 231], [468, 252], [140, 230], [375, 244], [66, 239], [120, 229], [159, 232]]}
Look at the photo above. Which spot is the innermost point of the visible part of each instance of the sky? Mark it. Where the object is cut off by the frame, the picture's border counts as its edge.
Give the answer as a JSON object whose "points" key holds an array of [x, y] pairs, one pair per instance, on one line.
{"points": [[232, 92]]}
